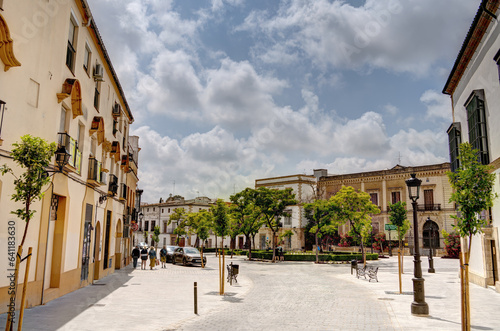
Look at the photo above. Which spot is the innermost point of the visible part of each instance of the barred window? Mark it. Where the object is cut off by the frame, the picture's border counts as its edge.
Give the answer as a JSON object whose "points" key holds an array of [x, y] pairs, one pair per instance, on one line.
{"points": [[476, 119]]}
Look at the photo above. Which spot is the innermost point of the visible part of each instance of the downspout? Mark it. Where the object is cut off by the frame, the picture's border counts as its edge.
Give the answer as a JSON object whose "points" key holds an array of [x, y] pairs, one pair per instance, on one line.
{"points": [[47, 241]]}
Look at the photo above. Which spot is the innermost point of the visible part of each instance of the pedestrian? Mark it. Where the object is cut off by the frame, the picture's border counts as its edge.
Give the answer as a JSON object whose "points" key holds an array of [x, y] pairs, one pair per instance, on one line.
{"points": [[152, 257], [136, 253], [144, 258], [163, 257], [282, 258]]}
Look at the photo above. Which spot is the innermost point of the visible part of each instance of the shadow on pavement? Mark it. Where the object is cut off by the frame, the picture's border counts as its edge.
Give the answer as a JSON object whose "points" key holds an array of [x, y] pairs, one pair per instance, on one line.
{"points": [[56, 313]]}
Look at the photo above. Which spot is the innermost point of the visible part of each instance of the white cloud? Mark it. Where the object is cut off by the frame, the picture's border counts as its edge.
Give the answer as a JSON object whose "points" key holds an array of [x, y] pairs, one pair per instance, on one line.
{"points": [[438, 105], [397, 35]]}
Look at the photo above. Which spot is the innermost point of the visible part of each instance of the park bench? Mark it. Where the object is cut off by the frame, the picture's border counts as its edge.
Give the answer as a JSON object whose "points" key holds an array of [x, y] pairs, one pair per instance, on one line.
{"points": [[363, 271]]}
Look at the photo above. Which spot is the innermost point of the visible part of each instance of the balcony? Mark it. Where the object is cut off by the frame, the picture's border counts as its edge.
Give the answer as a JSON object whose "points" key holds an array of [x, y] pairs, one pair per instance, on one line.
{"points": [[95, 176], [429, 207], [123, 191], [113, 185], [75, 155]]}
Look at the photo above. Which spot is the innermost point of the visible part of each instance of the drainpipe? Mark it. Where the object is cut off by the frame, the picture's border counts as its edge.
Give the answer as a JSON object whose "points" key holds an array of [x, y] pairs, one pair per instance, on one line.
{"points": [[47, 240]]}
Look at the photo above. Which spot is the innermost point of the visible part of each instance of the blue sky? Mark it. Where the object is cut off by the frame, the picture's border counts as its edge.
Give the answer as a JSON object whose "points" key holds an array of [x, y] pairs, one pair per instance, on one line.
{"points": [[228, 91]]}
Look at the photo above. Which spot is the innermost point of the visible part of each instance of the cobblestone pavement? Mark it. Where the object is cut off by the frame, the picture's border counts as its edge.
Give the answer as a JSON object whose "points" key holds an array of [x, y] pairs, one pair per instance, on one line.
{"points": [[280, 296], [297, 296]]}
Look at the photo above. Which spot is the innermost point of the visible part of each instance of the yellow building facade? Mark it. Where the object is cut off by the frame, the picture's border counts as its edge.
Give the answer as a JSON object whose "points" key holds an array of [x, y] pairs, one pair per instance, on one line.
{"points": [[57, 82], [386, 187]]}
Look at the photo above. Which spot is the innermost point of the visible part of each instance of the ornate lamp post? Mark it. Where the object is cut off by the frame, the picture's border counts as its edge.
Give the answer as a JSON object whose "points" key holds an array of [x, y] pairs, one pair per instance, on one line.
{"points": [[418, 306]]}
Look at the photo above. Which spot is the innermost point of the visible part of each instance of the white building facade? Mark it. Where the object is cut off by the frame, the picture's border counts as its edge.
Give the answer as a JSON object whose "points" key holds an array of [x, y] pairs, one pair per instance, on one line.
{"points": [[474, 87], [57, 82]]}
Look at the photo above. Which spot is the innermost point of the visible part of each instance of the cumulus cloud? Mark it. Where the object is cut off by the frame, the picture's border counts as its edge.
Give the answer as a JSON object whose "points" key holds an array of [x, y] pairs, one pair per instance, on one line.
{"points": [[397, 35], [438, 105], [233, 129]]}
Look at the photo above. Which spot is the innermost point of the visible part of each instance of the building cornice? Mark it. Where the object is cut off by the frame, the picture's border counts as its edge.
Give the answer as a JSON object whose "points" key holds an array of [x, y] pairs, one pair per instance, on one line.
{"points": [[472, 41]]}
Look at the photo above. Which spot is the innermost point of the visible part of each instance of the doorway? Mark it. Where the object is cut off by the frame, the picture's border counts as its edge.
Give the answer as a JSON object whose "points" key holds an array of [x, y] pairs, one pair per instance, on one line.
{"points": [[97, 250]]}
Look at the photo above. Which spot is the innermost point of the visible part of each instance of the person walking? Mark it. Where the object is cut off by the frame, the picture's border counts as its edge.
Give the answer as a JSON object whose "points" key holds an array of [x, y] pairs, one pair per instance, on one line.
{"points": [[152, 258], [136, 253], [163, 257], [144, 258]]}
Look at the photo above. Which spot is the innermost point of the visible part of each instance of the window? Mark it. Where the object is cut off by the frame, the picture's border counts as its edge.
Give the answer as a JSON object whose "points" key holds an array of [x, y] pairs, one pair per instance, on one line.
{"points": [[153, 208], [97, 94], [496, 59], [71, 49], [115, 122], [395, 197], [288, 218], [81, 135], [162, 210], [169, 210], [454, 140], [153, 223], [64, 124], [124, 137], [374, 198], [476, 119], [87, 59], [146, 225], [93, 146]]}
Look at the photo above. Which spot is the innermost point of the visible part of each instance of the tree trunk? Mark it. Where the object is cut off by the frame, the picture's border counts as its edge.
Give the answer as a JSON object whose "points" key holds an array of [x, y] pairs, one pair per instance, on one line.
{"points": [[249, 247], [317, 250]]}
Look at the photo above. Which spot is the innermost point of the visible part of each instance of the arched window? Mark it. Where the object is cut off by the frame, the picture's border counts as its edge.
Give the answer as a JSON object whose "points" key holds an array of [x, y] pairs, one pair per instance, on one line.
{"points": [[431, 234]]}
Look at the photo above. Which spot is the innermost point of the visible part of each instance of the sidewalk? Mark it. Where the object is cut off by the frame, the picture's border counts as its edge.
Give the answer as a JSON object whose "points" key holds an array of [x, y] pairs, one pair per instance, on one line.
{"points": [[135, 300], [442, 294]]}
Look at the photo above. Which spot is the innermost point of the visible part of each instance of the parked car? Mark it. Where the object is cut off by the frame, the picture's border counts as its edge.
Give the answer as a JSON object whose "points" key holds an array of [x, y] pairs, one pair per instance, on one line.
{"points": [[170, 253], [143, 245], [188, 255]]}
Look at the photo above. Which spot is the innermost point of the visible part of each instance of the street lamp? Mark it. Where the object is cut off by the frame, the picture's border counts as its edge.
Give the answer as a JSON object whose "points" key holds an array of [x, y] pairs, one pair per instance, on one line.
{"points": [[62, 157], [430, 228], [418, 306]]}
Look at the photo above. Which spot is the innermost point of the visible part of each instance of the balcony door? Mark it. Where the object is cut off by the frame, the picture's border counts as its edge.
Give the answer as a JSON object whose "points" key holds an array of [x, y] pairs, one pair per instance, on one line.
{"points": [[428, 199]]}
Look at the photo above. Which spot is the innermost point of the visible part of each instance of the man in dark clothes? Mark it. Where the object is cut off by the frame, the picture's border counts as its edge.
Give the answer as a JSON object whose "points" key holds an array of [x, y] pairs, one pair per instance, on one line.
{"points": [[136, 253]]}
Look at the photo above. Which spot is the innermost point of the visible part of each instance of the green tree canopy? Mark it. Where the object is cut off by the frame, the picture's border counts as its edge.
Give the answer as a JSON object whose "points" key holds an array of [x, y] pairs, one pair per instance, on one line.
{"points": [[272, 204], [34, 155], [355, 207], [397, 217], [245, 210], [220, 219], [472, 185], [319, 215]]}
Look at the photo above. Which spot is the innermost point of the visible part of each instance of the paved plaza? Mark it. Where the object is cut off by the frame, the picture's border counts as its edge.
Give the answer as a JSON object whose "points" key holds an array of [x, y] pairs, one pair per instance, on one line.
{"points": [[280, 296]]}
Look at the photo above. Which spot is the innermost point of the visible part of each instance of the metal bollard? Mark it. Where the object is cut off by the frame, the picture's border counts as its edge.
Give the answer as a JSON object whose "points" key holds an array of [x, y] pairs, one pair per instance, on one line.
{"points": [[196, 298]]}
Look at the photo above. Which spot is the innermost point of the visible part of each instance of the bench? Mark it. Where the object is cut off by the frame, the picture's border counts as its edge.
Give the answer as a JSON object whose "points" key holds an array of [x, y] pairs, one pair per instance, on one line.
{"points": [[366, 270]]}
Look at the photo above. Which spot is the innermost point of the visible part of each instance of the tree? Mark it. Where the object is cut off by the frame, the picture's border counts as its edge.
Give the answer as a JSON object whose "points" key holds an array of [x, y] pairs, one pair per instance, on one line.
{"points": [[220, 220], [272, 204], [397, 217], [200, 224], [156, 235], [472, 185], [355, 207], [247, 213], [178, 216], [319, 215], [234, 226], [32, 154]]}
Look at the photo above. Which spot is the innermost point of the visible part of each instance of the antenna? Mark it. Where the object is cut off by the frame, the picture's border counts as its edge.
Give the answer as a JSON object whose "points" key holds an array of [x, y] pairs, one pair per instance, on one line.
{"points": [[399, 158]]}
